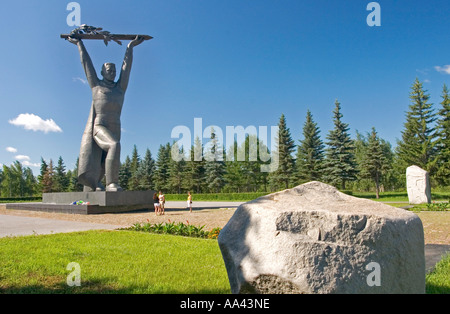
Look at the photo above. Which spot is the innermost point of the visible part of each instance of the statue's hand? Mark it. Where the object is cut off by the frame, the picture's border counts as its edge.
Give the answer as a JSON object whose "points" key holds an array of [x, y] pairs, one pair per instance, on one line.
{"points": [[73, 40], [137, 41]]}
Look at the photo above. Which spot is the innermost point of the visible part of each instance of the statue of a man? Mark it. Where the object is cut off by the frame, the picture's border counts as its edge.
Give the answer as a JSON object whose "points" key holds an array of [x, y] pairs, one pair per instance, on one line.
{"points": [[100, 144]]}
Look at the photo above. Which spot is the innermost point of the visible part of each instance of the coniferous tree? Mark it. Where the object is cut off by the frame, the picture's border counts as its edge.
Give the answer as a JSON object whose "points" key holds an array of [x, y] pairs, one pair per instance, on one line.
{"points": [[195, 168], [133, 183], [176, 170], [417, 144], [74, 184], [125, 173], [310, 152], [47, 180], [375, 163], [443, 142], [61, 181], [339, 165], [234, 176], [214, 164], [42, 172], [282, 176], [146, 172], [162, 167]]}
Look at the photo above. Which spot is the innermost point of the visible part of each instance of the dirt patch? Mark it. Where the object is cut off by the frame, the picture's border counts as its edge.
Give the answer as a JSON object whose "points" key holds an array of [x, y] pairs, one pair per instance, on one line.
{"points": [[210, 218], [436, 226]]}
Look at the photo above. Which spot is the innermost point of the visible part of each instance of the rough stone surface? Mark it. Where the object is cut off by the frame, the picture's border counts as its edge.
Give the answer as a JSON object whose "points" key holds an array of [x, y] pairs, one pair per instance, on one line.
{"points": [[315, 239], [418, 185]]}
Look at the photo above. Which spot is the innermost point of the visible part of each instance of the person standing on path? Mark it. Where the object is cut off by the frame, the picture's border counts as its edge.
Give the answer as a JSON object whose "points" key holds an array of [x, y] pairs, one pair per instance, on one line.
{"points": [[156, 203], [189, 202], [162, 201]]}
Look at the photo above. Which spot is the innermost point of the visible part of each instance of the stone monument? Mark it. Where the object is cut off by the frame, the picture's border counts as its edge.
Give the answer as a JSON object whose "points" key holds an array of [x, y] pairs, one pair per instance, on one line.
{"points": [[315, 239], [100, 144], [418, 185]]}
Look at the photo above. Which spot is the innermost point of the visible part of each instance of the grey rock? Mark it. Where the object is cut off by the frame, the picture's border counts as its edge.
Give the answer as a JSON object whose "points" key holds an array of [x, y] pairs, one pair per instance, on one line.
{"points": [[315, 239]]}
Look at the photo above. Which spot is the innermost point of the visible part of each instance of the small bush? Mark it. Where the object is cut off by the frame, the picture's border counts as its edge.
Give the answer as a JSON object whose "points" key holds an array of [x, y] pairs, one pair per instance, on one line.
{"points": [[179, 228], [443, 206]]}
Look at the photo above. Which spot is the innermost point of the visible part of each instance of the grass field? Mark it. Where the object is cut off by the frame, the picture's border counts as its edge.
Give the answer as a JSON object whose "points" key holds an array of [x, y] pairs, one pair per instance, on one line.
{"points": [[112, 262], [127, 262]]}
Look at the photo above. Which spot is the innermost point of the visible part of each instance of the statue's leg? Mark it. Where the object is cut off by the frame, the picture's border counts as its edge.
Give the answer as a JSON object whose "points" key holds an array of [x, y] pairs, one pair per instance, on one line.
{"points": [[107, 142]]}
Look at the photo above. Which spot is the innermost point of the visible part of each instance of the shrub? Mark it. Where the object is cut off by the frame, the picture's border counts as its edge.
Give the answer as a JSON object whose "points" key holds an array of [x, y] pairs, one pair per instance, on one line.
{"points": [[443, 206], [179, 228]]}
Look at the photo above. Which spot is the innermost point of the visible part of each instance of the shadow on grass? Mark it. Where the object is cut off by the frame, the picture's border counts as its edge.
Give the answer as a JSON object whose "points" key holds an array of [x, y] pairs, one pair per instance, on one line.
{"points": [[95, 286], [437, 289]]}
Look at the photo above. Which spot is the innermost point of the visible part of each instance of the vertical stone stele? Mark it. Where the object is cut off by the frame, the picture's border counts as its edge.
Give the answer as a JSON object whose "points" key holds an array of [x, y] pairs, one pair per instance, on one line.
{"points": [[314, 239], [418, 185]]}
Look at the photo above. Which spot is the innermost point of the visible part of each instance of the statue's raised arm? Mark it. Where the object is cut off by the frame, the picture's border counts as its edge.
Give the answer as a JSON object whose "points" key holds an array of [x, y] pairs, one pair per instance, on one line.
{"points": [[86, 62], [127, 62]]}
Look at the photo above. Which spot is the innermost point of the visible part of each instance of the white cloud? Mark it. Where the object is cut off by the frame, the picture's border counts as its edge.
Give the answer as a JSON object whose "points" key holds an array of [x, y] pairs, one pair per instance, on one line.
{"points": [[22, 157], [445, 69], [30, 164], [33, 122], [11, 149], [80, 79]]}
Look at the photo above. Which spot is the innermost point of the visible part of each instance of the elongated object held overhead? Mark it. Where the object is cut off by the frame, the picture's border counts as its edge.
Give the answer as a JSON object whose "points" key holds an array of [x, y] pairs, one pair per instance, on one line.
{"points": [[102, 37]]}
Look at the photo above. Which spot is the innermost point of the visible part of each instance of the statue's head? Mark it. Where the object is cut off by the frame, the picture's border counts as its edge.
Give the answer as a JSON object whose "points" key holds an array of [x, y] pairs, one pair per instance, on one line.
{"points": [[109, 71]]}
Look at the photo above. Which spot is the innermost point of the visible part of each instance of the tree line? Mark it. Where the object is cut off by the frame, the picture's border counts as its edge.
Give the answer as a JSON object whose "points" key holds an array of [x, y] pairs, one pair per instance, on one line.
{"points": [[364, 163]]}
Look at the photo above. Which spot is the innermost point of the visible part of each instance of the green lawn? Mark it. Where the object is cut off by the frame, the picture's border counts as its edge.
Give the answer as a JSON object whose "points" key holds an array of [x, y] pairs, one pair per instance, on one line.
{"points": [[112, 262], [128, 262], [438, 281]]}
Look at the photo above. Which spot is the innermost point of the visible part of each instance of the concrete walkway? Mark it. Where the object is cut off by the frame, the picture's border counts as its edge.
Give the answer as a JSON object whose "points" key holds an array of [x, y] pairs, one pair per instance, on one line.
{"points": [[18, 226]]}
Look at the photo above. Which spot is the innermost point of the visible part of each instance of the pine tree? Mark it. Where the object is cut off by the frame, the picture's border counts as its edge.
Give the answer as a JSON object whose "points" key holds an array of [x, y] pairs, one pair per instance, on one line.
{"points": [[61, 181], [74, 184], [133, 183], [339, 165], [47, 180], [214, 165], [146, 172], [162, 168], [195, 168], [417, 144], [374, 164], [282, 176], [42, 172], [443, 142], [310, 152], [176, 170], [234, 175], [125, 173]]}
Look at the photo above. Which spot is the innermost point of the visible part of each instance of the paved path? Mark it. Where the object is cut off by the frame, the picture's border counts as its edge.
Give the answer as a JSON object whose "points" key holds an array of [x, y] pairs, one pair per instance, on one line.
{"points": [[18, 226]]}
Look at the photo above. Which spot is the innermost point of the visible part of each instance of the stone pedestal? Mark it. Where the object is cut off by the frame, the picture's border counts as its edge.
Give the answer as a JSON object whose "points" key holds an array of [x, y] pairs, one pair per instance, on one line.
{"points": [[418, 185], [99, 202]]}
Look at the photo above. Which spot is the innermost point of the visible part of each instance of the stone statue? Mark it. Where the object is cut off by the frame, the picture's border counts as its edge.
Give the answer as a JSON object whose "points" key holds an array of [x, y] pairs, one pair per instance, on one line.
{"points": [[100, 144]]}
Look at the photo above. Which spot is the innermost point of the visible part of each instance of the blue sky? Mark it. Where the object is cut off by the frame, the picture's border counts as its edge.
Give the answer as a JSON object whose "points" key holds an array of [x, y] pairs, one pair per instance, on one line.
{"points": [[229, 62]]}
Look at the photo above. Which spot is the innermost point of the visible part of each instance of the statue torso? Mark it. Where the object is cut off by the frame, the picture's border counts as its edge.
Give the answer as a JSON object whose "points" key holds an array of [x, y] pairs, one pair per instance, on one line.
{"points": [[108, 101]]}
